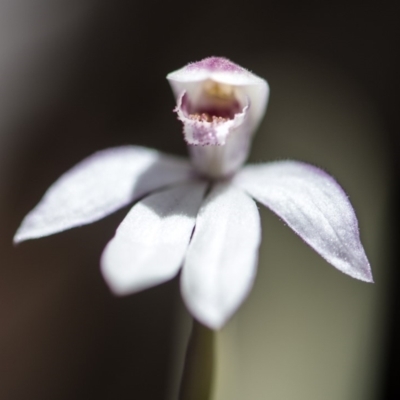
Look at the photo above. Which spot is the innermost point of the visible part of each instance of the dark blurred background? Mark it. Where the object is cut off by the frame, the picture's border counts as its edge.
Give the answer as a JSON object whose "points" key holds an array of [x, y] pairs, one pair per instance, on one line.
{"points": [[79, 76]]}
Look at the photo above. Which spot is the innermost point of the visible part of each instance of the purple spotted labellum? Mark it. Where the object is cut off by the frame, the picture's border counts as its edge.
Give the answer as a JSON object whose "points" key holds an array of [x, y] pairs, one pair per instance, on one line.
{"points": [[220, 105]]}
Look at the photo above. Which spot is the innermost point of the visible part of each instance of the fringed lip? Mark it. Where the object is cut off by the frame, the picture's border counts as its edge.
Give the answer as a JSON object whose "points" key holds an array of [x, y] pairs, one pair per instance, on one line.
{"points": [[205, 129]]}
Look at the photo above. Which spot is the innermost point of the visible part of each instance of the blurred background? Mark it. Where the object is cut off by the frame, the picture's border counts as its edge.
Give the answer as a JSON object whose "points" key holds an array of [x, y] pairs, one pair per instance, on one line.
{"points": [[77, 76]]}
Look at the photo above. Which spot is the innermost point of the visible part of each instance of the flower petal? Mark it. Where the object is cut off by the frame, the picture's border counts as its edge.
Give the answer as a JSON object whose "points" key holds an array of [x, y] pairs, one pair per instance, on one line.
{"points": [[150, 244], [313, 204], [98, 186], [221, 261]]}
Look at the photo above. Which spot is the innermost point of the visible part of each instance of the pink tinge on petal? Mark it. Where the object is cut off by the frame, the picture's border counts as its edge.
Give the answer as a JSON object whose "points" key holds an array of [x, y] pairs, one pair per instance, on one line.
{"points": [[215, 64], [313, 204], [207, 127]]}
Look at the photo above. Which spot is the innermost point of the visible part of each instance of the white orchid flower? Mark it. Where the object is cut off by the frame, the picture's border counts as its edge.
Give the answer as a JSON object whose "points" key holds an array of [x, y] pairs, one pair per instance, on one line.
{"points": [[201, 215]]}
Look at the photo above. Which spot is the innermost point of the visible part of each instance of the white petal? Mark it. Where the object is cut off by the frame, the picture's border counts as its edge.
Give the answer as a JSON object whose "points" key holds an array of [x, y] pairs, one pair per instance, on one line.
{"points": [[150, 244], [98, 186], [221, 262], [313, 204]]}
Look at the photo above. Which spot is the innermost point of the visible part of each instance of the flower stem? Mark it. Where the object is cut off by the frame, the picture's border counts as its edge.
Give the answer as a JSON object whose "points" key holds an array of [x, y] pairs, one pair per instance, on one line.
{"points": [[197, 377]]}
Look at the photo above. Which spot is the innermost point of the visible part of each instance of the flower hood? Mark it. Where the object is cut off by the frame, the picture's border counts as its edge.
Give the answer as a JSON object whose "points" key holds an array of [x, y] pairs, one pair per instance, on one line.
{"points": [[220, 105]]}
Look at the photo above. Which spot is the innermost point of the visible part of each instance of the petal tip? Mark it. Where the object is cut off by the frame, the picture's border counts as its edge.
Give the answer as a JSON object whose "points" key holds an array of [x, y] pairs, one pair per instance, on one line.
{"points": [[214, 322], [362, 272], [215, 326], [23, 234], [211, 317], [29, 231], [367, 276], [115, 287], [114, 281], [17, 239]]}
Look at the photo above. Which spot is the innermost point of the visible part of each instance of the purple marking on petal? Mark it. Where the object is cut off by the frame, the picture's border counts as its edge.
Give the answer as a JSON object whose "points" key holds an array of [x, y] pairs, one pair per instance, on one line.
{"points": [[207, 130], [215, 64], [204, 134]]}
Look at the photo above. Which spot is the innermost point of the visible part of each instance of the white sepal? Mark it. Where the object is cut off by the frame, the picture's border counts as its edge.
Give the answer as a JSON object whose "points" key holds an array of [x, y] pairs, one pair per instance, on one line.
{"points": [[221, 261], [150, 243], [313, 204], [100, 185]]}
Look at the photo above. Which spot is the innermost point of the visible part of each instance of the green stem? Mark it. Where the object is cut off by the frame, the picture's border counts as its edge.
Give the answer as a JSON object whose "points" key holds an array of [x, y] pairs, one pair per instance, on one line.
{"points": [[197, 377]]}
